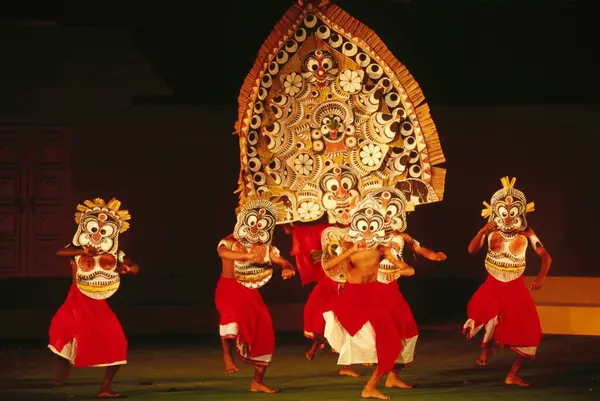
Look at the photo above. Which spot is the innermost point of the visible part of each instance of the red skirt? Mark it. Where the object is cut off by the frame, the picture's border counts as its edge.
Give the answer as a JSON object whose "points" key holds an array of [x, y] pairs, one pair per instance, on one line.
{"points": [[509, 314], [245, 317], [306, 239], [393, 325], [87, 332], [319, 301]]}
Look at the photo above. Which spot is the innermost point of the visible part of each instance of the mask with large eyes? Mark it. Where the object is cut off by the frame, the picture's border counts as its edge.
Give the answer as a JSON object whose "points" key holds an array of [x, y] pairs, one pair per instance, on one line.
{"points": [[319, 68], [332, 128], [393, 204], [340, 193], [256, 222], [99, 231], [508, 214], [367, 223]]}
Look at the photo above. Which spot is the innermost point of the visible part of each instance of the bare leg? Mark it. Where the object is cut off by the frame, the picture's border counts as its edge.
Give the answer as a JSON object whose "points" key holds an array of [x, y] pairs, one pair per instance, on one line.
{"points": [[258, 386], [348, 371], [230, 366], [64, 370], [370, 390], [316, 346], [394, 381], [485, 354], [513, 377], [109, 375]]}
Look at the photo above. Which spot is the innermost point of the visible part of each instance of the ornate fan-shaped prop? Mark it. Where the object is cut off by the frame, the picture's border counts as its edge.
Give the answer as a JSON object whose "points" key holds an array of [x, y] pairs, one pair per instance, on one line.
{"points": [[325, 92]]}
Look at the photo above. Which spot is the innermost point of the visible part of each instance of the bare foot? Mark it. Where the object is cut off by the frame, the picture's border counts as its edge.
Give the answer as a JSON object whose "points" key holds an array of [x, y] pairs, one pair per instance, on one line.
{"points": [[394, 381], [108, 393], [310, 354], [374, 393], [347, 371], [485, 355], [230, 367], [516, 380], [257, 387]]}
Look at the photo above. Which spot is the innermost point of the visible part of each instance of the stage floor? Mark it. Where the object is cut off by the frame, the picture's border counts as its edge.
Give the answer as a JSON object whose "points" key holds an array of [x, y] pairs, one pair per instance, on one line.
{"points": [[191, 368]]}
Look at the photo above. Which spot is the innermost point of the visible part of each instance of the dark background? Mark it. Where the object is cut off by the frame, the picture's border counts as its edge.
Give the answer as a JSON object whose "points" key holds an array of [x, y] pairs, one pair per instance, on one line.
{"points": [[512, 86]]}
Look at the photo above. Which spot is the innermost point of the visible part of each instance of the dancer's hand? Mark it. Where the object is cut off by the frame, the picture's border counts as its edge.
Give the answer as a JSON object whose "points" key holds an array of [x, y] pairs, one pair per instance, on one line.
{"points": [[287, 272], [439, 256], [537, 283], [489, 227], [358, 246], [315, 256], [90, 251]]}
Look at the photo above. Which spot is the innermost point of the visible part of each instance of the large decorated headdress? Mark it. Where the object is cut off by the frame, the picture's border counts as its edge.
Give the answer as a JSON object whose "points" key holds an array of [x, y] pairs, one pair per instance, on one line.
{"points": [[368, 223], [325, 91], [256, 219], [508, 207], [99, 224]]}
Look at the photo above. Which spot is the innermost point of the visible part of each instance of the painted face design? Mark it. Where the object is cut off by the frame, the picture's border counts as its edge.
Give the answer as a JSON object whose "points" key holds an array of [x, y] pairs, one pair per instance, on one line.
{"points": [[393, 204], [96, 276], [367, 223], [319, 68], [508, 213], [340, 187], [256, 223], [99, 230]]}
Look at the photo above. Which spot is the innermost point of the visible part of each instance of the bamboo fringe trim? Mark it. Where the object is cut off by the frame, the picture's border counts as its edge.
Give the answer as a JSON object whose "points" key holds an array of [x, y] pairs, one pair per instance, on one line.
{"points": [[438, 181]]}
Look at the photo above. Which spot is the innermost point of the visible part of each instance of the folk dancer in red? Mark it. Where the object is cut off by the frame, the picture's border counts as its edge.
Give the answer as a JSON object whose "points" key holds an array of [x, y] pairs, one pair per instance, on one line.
{"points": [[368, 322], [247, 257], [85, 332], [502, 304]]}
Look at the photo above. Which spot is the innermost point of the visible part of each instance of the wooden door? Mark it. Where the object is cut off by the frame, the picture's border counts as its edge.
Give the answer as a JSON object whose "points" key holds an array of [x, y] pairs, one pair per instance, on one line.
{"points": [[12, 204], [41, 202]]}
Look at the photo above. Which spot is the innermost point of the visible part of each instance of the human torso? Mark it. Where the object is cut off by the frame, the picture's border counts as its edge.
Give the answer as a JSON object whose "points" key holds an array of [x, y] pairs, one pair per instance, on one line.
{"points": [[364, 266], [505, 259], [96, 276], [248, 273]]}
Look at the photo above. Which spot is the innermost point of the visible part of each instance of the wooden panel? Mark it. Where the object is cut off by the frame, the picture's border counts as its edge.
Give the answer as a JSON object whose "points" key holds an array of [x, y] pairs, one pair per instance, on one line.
{"points": [[50, 212], [12, 206]]}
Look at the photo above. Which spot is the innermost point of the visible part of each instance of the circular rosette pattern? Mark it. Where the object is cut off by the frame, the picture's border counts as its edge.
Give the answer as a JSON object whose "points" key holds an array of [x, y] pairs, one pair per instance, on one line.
{"points": [[367, 157], [333, 243]]}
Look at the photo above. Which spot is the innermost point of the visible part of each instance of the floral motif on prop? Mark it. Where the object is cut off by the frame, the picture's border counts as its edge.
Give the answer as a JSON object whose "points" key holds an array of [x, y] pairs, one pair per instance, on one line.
{"points": [[325, 93]]}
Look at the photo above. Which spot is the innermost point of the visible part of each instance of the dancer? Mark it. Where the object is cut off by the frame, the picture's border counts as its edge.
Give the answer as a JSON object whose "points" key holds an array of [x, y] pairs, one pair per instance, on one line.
{"points": [[306, 238], [369, 322], [395, 206], [503, 303], [85, 332], [247, 257]]}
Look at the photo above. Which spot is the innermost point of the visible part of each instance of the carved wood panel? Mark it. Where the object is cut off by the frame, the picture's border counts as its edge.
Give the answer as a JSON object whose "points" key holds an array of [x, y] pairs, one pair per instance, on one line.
{"points": [[35, 200]]}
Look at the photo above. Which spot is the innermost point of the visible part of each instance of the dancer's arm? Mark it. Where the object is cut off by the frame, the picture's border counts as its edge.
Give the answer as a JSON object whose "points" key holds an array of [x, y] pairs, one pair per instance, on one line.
{"points": [[403, 268], [477, 241], [126, 265], [427, 253], [225, 250], [336, 260], [73, 251], [287, 269], [541, 251]]}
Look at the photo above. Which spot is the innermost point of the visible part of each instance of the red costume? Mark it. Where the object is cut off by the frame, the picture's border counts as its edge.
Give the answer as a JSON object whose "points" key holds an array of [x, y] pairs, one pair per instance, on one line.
{"points": [[372, 323], [87, 333], [84, 330], [305, 240], [508, 312], [245, 317]]}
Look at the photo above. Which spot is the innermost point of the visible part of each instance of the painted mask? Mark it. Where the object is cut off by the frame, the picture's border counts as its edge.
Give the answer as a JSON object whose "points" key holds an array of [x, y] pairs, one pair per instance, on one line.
{"points": [[319, 68], [508, 207], [100, 224], [256, 222], [394, 206], [367, 223], [340, 193]]}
